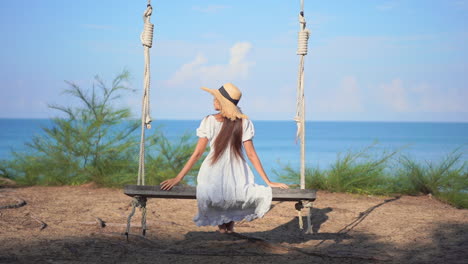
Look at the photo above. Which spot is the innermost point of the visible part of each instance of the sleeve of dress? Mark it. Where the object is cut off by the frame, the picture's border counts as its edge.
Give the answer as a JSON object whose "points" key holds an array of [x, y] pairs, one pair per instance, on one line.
{"points": [[203, 130], [249, 130]]}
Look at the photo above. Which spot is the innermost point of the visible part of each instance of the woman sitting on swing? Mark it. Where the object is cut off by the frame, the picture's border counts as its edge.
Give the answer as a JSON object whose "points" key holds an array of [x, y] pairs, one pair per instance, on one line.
{"points": [[226, 191]]}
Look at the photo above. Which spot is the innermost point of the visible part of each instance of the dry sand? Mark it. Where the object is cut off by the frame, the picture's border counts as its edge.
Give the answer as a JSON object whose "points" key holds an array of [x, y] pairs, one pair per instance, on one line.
{"points": [[349, 229]]}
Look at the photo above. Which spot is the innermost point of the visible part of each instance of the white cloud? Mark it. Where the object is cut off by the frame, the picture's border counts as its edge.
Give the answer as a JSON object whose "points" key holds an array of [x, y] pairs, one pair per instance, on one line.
{"points": [[346, 98], [210, 8], [421, 98], [187, 71], [197, 70], [394, 96], [350, 97]]}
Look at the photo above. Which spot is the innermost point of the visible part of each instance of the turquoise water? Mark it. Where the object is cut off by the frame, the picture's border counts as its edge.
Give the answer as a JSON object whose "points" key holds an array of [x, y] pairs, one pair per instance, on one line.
{"points": [[275, 140]]}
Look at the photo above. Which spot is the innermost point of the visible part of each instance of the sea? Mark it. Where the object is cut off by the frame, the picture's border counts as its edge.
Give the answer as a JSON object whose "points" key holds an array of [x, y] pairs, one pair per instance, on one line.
{"points": [[277, 146]]}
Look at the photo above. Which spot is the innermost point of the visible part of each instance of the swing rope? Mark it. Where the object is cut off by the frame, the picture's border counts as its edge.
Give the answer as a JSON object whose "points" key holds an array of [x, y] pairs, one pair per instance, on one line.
{"points": [[303, 40], [147, 41], [146, 38]]}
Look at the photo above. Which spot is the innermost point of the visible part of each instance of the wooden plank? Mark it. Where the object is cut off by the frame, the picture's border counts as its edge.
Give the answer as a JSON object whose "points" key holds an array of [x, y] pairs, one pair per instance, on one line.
{"points": [[154, 191], [189, 192]]}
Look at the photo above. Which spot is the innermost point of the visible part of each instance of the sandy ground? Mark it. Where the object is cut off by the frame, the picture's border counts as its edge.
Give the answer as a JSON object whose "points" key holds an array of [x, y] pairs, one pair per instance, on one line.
{"points": [[348, 229]]}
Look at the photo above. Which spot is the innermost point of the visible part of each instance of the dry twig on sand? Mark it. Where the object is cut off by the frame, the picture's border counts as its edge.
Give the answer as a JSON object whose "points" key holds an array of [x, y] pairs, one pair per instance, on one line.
{"points": [[100, 222], [20, 202], [105, 224], [43, 224]]}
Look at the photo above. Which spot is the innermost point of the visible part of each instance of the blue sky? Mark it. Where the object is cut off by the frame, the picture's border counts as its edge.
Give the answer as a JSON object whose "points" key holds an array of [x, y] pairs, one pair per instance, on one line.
{"points": [[368, 60]]}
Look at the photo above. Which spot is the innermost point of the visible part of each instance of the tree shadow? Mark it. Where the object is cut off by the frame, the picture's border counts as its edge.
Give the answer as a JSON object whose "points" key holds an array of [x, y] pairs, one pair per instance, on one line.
{"points": [[286, 233], [360, 247], [362, 215], [447, 243], [290, 233]]}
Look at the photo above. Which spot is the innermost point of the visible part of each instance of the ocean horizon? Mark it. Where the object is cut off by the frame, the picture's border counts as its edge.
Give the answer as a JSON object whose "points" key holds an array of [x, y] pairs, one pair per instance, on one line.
{"points": [[262, 120], [275, 140]]}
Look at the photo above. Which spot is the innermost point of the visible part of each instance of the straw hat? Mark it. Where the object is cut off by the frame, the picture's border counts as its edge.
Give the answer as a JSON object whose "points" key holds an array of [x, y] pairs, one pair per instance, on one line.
{"points": [[228, 96]]}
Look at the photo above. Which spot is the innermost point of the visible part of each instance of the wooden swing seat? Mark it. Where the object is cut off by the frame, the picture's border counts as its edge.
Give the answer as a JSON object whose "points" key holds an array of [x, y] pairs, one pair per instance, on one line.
{"points": [[189, 192]]}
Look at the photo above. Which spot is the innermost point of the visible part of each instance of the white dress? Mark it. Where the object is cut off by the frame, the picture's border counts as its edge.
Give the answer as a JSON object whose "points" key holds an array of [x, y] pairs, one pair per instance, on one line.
{"points": [[226, 190]]}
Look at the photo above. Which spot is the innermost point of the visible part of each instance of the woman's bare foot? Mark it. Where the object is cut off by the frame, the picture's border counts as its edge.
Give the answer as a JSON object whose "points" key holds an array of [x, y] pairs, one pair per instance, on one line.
{"points": [[222, 228], [230, 227]]}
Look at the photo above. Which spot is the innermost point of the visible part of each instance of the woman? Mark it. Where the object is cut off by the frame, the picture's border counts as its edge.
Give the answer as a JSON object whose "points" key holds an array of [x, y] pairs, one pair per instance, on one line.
{"points": [[226, 191]]}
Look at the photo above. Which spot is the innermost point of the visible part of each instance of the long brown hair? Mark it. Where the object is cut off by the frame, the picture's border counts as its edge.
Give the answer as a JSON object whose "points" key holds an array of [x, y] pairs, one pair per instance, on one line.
{"points": [[231, 132]]}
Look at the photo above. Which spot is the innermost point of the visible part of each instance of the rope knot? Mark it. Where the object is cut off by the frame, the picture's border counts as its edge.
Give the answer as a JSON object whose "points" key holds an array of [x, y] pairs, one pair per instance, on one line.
{"points": [[148, 11], [303, 42], [303, 36], [146, 36]]}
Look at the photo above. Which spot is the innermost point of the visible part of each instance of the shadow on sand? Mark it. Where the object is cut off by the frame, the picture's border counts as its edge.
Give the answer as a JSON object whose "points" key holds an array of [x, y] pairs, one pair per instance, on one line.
{"points": [[283, 244]]}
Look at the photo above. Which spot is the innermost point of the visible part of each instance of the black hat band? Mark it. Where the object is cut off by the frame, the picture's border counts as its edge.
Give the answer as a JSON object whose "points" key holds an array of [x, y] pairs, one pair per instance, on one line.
{"points": [[227, 96]]}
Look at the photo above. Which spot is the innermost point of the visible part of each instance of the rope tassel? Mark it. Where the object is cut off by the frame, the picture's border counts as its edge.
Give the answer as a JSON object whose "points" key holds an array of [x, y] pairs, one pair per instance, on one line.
{"points": [[298, 126]]}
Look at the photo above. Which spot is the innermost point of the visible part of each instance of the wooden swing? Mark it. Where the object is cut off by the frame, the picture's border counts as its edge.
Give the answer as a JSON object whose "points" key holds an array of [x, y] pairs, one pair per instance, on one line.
{"points": [[140, 192]]}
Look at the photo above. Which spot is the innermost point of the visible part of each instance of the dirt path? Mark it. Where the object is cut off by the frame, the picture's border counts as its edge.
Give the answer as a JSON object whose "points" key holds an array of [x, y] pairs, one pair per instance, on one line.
{"points": [[349, 229]]}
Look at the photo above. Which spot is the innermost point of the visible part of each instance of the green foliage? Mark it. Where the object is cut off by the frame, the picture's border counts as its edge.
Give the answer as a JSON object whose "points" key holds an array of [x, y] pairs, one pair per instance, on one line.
{"points": [[83, 146], [360, 172], [432, 178], [447, 179], [314, 177], [355, 172], [95, 142], [170, 158], [458, 199]]}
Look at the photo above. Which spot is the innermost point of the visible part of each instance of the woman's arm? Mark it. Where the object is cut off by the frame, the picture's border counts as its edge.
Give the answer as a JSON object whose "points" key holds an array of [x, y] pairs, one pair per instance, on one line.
{"points": [[196, 155], [253, 157]]}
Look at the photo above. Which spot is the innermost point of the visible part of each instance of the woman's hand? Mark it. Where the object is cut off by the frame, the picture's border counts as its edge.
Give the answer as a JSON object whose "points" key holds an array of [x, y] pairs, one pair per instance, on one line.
{"points": [[168, 184], [196, 155], [278, 185]]}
